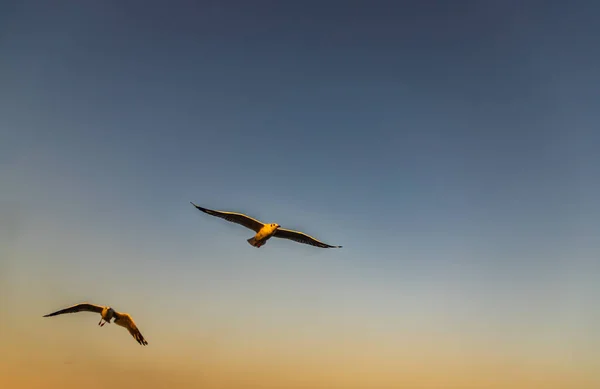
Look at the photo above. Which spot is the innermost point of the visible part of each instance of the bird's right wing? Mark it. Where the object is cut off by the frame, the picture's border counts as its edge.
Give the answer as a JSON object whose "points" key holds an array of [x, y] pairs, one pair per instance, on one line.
{"points": [[78, 308], [234, 217], [126, 321], [301, 237]]}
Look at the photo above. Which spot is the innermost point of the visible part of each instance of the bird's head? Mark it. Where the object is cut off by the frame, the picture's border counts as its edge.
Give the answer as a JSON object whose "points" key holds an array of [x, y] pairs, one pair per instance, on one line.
{"points": [[275, 226]]}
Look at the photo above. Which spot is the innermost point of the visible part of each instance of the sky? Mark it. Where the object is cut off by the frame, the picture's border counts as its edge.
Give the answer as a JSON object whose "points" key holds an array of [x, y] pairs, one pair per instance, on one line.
{"points": [[449, 147]]}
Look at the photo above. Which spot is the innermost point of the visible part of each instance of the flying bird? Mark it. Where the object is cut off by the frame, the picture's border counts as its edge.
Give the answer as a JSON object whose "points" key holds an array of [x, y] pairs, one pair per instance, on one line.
{"points": [[264, 231], [107, 313]]}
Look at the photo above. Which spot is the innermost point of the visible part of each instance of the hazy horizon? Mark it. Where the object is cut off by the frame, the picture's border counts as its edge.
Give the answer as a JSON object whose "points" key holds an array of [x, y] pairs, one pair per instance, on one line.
{"points": [[450, 148]]}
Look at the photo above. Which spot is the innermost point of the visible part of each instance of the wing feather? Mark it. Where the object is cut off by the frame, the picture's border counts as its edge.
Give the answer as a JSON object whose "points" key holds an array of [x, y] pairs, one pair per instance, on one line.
{"points": [[78, 308], [234, 217], [126, 321], [301, 237]]}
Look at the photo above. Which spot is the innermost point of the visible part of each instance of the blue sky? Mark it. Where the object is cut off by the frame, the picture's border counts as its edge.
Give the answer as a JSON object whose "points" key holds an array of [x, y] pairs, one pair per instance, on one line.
{"points": [[450, 148]]}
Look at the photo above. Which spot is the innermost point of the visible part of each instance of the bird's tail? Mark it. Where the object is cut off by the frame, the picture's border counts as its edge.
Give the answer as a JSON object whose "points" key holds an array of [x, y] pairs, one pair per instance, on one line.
{"points": [[253, 242]]}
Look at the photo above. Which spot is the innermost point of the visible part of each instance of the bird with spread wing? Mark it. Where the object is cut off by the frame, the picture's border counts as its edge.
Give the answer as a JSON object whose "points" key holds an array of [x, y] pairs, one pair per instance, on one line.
{"points": [[107, 313], [264, 232]]}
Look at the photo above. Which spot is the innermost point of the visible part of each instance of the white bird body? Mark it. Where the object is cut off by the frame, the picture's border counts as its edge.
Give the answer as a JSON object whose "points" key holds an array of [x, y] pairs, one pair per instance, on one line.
{"points": [[107, 313], [264, 232]]}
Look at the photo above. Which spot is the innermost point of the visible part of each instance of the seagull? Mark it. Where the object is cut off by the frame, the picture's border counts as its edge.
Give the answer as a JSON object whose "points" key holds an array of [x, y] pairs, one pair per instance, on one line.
{"points": [[264, 232], [107, 313]]}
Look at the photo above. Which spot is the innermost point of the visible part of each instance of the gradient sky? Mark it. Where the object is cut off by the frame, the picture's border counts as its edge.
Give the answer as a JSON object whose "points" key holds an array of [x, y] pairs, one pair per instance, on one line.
{"points": [[450, 147]]}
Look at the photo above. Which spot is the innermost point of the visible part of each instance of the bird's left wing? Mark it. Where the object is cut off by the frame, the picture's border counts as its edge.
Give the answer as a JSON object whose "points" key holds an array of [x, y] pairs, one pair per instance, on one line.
{"points": [[78, 308], [233, 217], [301, 237], [126, 321]]}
